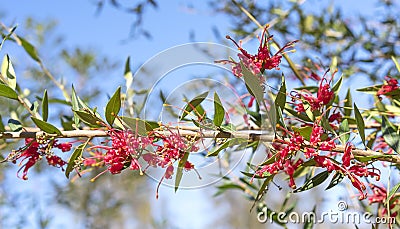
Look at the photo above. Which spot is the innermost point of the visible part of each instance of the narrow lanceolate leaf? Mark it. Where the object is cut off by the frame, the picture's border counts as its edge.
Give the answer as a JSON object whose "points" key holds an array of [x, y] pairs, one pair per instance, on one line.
{"points": [[7, 71], [392, 138], [391, 193], [8, 92], [179, 171], [128, 73], [309, 224], [88, 118], [45, 106], [138, 126], [280, 99], [219, 111], [75, 105], [348, 103], [338, 85], [2, 128], [263, 189], [193, 104], [336, 179], [30, 49], [7, 36], [75, 155], [396, 63], [113, 106], [360, 123], [313, 182], [253, 84], [46, 127], [344, 131], [228, 143]]}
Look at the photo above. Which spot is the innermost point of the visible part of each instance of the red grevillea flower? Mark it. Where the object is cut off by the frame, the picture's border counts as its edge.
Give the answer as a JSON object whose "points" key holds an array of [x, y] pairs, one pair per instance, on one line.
{"points": [[324, 97], [262, 60], [390, 85], [379, 195], [124, 151], [34, 150]]}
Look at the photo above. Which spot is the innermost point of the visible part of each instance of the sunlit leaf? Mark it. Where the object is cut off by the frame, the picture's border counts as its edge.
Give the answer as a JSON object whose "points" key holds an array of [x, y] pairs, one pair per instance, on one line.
{"points": [[75, 105], [348, 103], [30, 49], [45, 106], [228, 143], [344, 131], [253, 84], [193, 103], [14, 125], [392, 138], [75, 155], [138, 126], [360, 123], [219, 111], [113, 106], [280, 99], [304, 131], [88, 118], [179, 170], [336, 179], [392, 192], [7, 70], [8, 92], [46, 127]]}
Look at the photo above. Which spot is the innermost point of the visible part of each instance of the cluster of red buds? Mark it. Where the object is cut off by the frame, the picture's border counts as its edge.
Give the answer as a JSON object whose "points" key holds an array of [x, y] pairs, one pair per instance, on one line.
{"points": [[34, 150]]}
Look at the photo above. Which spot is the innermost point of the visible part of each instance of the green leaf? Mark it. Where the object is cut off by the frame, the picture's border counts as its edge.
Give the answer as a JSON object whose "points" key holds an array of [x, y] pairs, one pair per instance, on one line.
{"points": [[392, 193], [348, 103], [179, 171], [313, 182], [336, 179], [7, 70], [2, 128], [8, 92], [30, 49], [396, 63], [371, 89], [280, 99], [263, 189], [309, 224], [113, 106], [88, 118], [228, 143], [372, 157], [338, 85], [7, 36], [45, 106], [193, 103], [344, 128], [75, 106], [360, 123], [128, 73], [392, 138], [253, 84], [219, 111], [46, 127], [76, 154], [301, 116], [312, 89], [14, 125], [304, 131], [137, 125]]}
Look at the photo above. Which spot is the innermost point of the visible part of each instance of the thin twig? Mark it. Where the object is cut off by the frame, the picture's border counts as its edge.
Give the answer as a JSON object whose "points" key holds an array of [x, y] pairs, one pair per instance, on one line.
{"points": [[249, 135]]}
